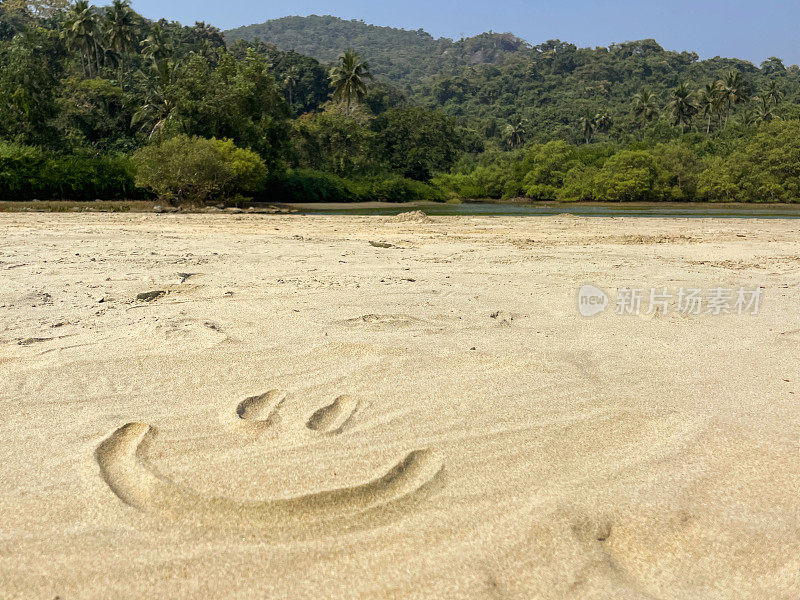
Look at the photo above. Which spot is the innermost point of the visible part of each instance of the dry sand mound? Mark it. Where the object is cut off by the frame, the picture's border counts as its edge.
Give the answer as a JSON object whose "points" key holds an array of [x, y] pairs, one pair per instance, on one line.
{"points": [[412, 216]]}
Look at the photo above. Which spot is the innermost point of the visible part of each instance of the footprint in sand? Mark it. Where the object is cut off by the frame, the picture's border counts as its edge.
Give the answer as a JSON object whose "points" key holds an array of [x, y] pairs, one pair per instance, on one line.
{"points": [[122, 461]]}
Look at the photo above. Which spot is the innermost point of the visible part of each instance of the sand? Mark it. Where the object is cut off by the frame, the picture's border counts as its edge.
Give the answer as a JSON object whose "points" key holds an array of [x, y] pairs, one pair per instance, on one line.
{"points": [[270, 406]]}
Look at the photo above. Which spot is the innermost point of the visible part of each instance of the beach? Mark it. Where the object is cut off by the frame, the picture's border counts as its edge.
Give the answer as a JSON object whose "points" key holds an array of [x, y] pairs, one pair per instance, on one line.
{"points": [[294, 406]]}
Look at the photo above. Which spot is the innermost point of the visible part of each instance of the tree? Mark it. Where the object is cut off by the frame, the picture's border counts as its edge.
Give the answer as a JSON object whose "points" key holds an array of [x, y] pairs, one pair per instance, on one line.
{"points": [[710, 100], [679, 168], [348, 79], [766, 169], [239, 100], [311, 87], [748, 116], [161, 105], [764, 112], [773, 92], [416, 142], [92, 113], [735, 91], [682, 106], [588, 125], [208, 33], [773, 65], [645, 108], [543, 168], [290, 80], [81, 33], [156, 46], [330, 141], [30, 71], [514, 133], [120, 34], [604, 121], [37, 8], [629, 175]]}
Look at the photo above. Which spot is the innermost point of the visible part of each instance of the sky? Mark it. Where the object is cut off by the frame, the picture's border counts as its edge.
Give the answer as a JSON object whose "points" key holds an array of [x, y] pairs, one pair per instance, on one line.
{"points": [[733, 28]]}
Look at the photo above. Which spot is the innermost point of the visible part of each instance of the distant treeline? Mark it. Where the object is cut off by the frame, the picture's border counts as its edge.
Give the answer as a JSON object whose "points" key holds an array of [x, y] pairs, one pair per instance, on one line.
{"points": [[102, 103]]}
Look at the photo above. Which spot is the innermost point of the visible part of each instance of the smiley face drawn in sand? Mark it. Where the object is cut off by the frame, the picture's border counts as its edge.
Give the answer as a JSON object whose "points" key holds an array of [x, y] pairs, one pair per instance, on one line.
{"points": [[123, 465]]}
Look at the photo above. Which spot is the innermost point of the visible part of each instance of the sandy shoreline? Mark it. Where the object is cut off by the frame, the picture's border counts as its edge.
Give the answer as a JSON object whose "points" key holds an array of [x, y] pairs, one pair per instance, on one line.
{"points": [[302, 414]]}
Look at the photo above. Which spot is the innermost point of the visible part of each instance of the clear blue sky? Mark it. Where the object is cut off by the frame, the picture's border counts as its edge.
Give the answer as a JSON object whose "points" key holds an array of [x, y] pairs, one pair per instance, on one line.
{"points": [[735, 28]]}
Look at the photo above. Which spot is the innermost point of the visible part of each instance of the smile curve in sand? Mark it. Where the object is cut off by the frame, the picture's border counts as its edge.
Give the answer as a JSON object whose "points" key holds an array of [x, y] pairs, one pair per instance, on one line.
{"points": [[123, 468]]}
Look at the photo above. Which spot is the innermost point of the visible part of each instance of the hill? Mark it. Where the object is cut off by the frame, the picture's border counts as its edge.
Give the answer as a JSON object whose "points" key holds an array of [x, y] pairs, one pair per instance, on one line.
{"points": [[402, 56], [493, 79]]}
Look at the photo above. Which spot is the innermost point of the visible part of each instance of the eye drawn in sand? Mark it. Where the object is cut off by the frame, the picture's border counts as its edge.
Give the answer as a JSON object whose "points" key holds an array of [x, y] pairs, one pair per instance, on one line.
{"points": [[123, 466], [262, 410], [334, 417]]}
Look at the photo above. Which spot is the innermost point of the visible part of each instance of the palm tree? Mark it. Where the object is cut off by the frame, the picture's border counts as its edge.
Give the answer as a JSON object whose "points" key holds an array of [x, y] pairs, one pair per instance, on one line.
{"points": [[764, 112], [81, 33], [604, 121], [644, 106], [347, 78], [290, 80], [682, 107], [161, 105], [748, 116], [774, 93], [156, 46], [207, 50], [735, 91], [588, 125], [709, 102], [120, 31], [515, 132]]}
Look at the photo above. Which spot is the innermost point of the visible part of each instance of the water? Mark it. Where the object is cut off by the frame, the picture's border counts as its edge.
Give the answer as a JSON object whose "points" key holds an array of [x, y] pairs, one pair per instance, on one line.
{"points": [[746, 211]]}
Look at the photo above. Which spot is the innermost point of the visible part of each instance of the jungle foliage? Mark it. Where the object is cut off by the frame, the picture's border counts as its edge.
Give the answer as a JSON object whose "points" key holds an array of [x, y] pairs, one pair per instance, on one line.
{"points": [[99, 102]]}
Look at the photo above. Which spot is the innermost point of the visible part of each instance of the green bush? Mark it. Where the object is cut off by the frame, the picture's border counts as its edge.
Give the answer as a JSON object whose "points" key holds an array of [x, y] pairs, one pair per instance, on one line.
{"points": [[578, 184], [194, 169], [20, 171], [482, 182], [544, 167], [307, 185], [628, 176], [83, 178], [27, 172], [394, 188], [767, 169], [679, 170]]}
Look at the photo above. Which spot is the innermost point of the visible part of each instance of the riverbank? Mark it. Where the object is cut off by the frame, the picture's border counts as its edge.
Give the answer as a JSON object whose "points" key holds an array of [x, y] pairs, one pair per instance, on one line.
{"points": [[518, 207]]}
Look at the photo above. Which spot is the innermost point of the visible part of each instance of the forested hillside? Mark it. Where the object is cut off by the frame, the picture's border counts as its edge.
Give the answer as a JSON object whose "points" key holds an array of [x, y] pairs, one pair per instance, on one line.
{"points": [[494, 79], [406, 58], [99, 102]]}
